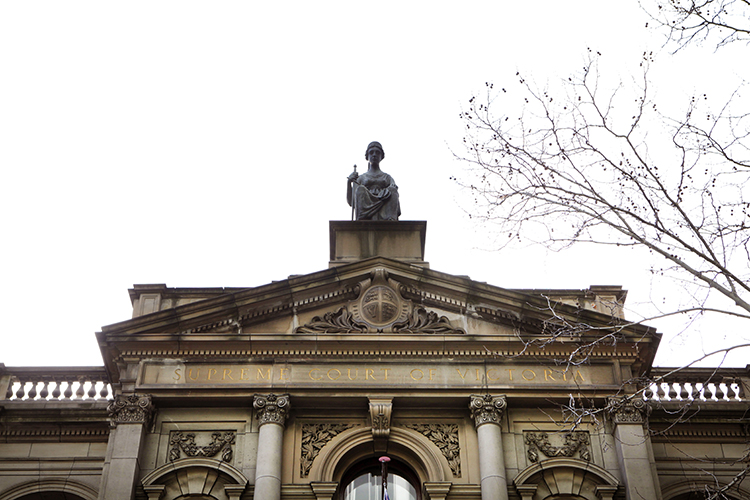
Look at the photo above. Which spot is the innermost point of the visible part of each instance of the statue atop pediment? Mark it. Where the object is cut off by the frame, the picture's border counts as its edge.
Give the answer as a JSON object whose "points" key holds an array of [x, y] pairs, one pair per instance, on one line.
{"points": [[374, 194]]}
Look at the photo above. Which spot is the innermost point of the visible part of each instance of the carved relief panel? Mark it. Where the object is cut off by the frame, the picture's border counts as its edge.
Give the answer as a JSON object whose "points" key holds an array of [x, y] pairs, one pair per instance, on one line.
{"points": [[380, 307]]}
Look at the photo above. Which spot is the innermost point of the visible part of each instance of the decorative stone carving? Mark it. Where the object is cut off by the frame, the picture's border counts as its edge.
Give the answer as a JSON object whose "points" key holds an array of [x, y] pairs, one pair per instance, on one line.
{"points": [[445, 437], [340, 321], [131, 409], [487, 409], [380, 415], [221, 442], [628, 410], [380, 307], [314, 438], [271, 409], [576, 441]]}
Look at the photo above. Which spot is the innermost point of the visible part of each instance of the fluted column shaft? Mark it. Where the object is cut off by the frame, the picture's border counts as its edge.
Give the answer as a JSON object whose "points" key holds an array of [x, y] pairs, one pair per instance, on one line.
{"points": [[487, 412], [271, 411]]}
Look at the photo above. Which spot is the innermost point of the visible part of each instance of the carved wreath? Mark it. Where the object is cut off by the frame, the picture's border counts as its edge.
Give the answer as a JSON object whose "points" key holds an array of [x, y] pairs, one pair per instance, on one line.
{"points": [[221, 442], [576, 441]]}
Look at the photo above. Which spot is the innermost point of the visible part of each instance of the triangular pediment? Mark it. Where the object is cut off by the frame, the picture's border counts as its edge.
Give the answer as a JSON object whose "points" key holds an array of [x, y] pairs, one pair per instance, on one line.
{"points": [[377, 295]]}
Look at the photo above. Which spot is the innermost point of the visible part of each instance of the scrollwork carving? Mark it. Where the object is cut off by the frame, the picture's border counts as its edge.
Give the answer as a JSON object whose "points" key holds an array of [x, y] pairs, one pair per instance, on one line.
{"points": [[445, 437], [576, 441], [380, 307], [221, 442], [131, 409], [271, 409], [314, 438], [487, 409], [423, 321], [626, 410]]}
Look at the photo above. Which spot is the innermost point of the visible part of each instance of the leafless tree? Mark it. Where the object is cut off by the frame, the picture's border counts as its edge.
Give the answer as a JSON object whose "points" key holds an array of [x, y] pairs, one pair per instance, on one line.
{"points": [[689, 21], [596, 161]]}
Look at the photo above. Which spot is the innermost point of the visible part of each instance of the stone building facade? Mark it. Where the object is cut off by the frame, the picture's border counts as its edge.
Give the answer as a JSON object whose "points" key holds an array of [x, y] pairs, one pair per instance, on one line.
{"points": [[293, 390]]}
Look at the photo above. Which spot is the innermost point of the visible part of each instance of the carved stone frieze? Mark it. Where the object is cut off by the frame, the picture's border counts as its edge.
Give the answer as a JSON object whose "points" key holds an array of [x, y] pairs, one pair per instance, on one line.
{"points": [[314, 438], [445, 437], [628, 410], [487, 409], [184, 442], [380, 307], [572, 443], [271, 409], [380, 416], [131, 409]]}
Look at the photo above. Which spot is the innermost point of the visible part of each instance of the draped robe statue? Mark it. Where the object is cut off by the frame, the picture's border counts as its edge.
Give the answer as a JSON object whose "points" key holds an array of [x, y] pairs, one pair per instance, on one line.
{"points": [[374, 194]]}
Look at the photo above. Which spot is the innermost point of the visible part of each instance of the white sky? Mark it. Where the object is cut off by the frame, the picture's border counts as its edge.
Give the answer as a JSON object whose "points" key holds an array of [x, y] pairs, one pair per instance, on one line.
{"points": [[207, 144]]}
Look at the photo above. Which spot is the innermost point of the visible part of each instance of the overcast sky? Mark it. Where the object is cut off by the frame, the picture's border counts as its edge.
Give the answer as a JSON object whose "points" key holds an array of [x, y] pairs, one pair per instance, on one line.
{"points": [[204, 144]]}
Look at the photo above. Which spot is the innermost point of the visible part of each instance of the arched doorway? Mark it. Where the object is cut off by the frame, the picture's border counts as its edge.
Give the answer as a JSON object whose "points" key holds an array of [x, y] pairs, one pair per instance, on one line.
{"points": [[363, 481]]}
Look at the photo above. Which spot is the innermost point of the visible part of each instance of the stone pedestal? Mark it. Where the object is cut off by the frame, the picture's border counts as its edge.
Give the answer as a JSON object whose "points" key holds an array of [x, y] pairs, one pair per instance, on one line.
{"points": [[130, 416], [633, 449], [487, 412], [272, 411], [352, 241]]}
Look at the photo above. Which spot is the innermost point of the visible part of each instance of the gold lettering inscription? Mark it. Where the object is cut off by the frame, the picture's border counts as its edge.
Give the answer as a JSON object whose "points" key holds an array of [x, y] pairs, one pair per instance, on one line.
{"points": [[243, 372], [578, 376], [283, 374], [338, 374], [211, 372], [227, 373], [386, 372], [349, 373], [369, 373], [315, 370], [490, 377], [432, 373], [478, 379], [548, 375], [416, 370], [197, 374], [177, 374], [463, 377], [531, 377], [260, 375], [510, 374]]}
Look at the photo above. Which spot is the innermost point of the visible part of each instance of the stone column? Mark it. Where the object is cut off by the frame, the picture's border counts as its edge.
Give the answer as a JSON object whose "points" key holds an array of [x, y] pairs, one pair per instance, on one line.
{"points": [[633, 447], [487, 411], [130, 416], [271, 411]]}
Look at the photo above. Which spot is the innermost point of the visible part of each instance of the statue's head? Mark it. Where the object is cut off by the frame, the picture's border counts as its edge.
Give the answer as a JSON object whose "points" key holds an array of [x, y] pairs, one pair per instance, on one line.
{"points": [[375, 145]]}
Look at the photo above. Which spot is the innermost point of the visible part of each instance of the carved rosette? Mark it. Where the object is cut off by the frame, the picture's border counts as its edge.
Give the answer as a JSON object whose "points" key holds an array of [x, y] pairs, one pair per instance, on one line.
{"points": [[626, 410], [487, 409], [271, 409], [380, 307], [445, 437], [314, 438], [131, 409], [573, 442], [221, 442]]}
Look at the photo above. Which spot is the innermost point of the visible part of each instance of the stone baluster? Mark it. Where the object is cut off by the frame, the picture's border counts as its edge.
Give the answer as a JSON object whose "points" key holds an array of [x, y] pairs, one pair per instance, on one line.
{"points": [[633, 446], [271, 411], [130, 416], [487, 412]]}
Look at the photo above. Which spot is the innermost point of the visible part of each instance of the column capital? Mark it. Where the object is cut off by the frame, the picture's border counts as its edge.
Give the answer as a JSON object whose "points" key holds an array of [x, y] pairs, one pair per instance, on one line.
{"points": [[271, 409], [487, 409], [628, 410], [131, 409]]}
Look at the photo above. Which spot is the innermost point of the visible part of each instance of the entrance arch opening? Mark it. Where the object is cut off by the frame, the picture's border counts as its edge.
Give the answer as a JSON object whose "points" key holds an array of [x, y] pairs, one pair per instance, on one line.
{"points": [[363, 481]]}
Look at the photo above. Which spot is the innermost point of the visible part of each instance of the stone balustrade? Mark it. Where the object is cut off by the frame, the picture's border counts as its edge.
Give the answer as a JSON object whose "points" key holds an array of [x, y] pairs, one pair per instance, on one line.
{"points": [[54, 383], [704, 384]]}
